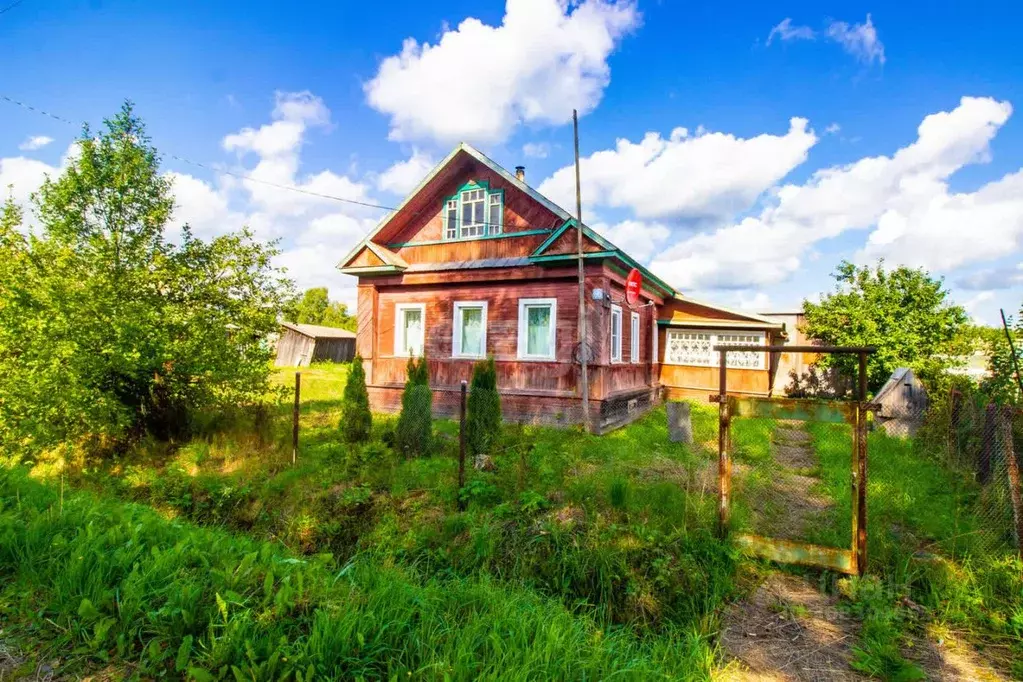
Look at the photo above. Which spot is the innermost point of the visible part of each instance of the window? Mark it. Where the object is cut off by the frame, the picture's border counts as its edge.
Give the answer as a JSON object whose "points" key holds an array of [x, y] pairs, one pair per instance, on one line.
{"points": [[689, 347], [451, 219], [409, 326], [474, 212], [616, 333], [537, 328], [496, 215], [469, 338], [634, 339]]}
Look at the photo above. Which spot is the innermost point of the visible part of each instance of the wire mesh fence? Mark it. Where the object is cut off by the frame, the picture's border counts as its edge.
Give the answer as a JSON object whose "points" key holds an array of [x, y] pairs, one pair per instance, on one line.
{"points": [[980, 442], [791, 480]]}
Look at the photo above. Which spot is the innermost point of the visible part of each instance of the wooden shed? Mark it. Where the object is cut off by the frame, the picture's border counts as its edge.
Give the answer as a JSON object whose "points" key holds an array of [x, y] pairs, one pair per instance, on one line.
{"points": [[903, 401], [301, 344]]}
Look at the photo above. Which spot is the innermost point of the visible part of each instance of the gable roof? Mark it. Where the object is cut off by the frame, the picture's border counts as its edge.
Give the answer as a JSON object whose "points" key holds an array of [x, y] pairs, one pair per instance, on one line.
{"points": [[753, 317], [462, 148], [317, 331]]}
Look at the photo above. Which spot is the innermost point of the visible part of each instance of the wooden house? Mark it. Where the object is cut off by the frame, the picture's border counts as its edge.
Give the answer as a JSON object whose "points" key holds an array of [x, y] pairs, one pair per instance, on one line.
{"points": [[476, 263], [302, 344]]}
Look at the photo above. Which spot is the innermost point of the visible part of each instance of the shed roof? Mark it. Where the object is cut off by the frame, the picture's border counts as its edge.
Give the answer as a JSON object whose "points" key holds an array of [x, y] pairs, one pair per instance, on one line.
{"points": [[316, 331], [896, 379]]}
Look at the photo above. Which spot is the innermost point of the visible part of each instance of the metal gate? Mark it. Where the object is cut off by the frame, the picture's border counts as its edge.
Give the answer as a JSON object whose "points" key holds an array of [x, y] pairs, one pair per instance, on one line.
{"points": [[792, 473]]}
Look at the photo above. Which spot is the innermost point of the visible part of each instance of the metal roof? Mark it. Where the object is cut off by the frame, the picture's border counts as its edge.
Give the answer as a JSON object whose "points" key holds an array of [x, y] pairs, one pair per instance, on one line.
{"points": [[316, 331]]}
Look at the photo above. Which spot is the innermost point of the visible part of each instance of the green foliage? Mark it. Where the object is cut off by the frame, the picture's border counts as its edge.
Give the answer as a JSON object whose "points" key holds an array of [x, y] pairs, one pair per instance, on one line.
{"points": [[128, 591], [483, 409], [356, 419], [316, 308], [108, 330], [879, 653], [1002, 386], [904, 313], [414, 432]]}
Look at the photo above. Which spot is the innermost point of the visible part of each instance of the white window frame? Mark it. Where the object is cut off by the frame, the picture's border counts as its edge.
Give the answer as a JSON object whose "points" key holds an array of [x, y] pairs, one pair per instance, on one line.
{"points": [[713, 358], [450, 231], [401, 349], [481, 226], [634, 338], [456, 329], [616, 315], [524, 328], [498, 227]]}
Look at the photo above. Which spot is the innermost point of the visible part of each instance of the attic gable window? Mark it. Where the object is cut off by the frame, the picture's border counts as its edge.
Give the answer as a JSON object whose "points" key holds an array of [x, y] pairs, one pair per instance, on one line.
{"points": [[475, 211]]}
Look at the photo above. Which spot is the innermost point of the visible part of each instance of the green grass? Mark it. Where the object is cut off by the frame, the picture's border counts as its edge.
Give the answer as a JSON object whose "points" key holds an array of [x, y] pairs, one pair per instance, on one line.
{"points": [[609, 538], [924, 545], [100, 581]]}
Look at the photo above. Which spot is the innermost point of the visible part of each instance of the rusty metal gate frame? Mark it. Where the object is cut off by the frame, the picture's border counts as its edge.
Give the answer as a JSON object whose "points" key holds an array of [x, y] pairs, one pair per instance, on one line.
{"points": [[853, 560]]}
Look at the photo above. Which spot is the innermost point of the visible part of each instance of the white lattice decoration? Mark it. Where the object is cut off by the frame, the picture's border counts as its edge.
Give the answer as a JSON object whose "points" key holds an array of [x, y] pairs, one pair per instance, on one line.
{"points": [[744, 359], [697, 348], [689, 348]]}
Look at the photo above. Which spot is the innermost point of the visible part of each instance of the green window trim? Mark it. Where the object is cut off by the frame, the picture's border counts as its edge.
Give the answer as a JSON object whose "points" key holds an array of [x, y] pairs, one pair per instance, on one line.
{"points": [[454, 207]]}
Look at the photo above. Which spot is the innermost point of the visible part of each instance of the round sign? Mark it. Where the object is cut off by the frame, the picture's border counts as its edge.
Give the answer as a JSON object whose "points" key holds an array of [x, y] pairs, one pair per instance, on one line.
{"points": [[633, 283]]}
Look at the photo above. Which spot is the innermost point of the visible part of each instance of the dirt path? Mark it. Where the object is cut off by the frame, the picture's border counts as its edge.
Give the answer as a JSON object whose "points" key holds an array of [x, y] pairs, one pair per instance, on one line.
{"points": [[784, 502], [788, 630]]}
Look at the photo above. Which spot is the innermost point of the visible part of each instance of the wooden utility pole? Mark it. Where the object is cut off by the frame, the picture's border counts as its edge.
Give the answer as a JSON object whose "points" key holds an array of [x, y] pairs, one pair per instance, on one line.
{"points": [[294, 424], [583, 350]]}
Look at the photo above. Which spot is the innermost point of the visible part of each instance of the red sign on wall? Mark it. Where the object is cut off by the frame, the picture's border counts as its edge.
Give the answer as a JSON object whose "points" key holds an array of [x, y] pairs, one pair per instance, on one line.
{"points": [[633, 283]]}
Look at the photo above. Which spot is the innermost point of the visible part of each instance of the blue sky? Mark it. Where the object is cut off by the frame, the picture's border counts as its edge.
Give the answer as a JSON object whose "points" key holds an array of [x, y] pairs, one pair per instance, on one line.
{"points": [[800, 144]]}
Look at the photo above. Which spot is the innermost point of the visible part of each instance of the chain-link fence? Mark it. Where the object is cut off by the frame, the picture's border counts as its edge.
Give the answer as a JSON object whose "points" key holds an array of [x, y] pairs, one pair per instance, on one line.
{"points": [[980, 443], [791, 478]]}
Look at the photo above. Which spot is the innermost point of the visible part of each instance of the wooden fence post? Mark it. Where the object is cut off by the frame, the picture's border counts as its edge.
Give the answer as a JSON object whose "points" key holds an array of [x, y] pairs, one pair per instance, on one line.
{"points": [[724, 461], [861, 474], [294, 425], [1012, 467], [461, 447], [987, 446], [955, 417]]}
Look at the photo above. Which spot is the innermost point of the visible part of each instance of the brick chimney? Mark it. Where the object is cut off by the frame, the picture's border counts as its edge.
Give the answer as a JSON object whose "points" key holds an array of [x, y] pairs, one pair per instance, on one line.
{"points": [[520, 173]]}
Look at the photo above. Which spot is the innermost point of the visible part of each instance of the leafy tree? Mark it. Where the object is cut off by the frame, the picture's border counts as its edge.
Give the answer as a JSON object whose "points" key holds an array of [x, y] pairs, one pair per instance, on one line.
{"points": [[107, 329], [311, 308], [414, 431], [1001, 386], [905, 313], [483, 412], [356, 419], [314, 307]]}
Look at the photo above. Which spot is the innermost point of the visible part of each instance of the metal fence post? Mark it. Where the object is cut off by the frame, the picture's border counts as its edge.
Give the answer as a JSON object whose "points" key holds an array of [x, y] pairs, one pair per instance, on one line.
{"points": [[1012, 467], [461, 446], [724, 460], [294, 426], [861, 473]]}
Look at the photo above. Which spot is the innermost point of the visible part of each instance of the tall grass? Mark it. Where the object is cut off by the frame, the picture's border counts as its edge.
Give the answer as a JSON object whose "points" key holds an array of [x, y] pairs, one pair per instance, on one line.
{"points": [[105, 582]]}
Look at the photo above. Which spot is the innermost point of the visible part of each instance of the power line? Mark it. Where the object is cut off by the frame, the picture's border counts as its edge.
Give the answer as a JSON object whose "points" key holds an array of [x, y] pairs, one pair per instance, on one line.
{"points": [[241, 176], [11, 6]]}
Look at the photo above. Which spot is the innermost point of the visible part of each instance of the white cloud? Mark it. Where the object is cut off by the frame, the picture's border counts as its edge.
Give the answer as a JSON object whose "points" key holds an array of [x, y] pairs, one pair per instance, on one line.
{"points": [[639, 239], [479, 82], [709, 175], [904, 198], [785, 31], [992, 278], [35, 142], [832, 128], [404, 176], [19, 177], [859, 40], [536, 150]]}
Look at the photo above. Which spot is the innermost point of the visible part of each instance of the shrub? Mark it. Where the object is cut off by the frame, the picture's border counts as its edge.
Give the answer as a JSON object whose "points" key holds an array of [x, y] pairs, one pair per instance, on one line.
{"points": [[356, 419], [483, 418], [414, 431]]}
